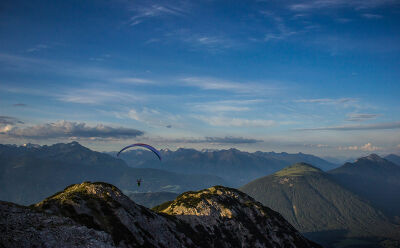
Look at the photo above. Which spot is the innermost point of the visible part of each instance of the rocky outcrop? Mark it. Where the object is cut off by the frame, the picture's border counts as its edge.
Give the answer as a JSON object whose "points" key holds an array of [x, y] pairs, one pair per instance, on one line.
{"points": [[24, 227], [100, 215], [233, 219], [104, 207]]}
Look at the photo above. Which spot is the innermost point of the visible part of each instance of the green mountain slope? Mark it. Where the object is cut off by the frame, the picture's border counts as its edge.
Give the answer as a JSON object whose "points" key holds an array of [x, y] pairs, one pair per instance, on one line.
{"points": [[315, 204]]}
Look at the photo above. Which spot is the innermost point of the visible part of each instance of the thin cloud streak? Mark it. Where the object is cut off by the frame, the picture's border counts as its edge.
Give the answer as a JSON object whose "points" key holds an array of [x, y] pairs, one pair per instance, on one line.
{"points": [[19, 105], [282, 30], [37, 48], [133, 80], [206, 83], [330, 4], [236, 122], [361, 117], [153, 117], [232, 140], [93, 96], [372, 16], [378, 126], [327, 100], [146, 11]]}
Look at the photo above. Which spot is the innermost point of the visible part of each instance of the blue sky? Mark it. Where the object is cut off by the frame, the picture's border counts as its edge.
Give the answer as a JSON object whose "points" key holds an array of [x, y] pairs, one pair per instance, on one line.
{"points": [[317, 76]]}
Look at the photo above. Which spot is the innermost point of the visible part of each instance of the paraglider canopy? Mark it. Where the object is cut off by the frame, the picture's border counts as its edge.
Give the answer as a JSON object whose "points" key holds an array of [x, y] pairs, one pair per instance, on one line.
{"points": [[154, 150]]}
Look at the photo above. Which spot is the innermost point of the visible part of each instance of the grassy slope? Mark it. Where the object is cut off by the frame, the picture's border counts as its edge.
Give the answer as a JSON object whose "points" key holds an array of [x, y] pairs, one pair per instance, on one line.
{"points": [[312, 202]]}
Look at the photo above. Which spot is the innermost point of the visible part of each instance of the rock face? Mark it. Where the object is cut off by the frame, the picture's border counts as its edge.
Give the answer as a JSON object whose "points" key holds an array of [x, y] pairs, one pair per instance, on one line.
{"points": [[23, 227], [100, 215], [233, 219], [104, 207]]}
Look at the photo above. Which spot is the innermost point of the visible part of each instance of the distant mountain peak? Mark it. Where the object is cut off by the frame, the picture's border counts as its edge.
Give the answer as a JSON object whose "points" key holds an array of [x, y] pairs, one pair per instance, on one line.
{"points": [[30, 145], [298, 169], [373, 156]]}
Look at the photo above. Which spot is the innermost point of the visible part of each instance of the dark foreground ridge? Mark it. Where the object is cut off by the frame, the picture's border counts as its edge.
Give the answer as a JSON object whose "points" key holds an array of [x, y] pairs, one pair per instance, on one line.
{"points": [[100, 215]]}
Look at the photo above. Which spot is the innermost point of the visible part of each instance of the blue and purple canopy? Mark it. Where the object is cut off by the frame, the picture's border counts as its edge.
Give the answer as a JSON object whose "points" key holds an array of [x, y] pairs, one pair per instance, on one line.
{"points": [[154, 150]]}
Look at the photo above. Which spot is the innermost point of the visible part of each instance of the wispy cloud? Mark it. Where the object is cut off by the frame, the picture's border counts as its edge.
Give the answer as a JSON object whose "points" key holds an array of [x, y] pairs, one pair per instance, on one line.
{"points": [[149, 9], [95, 96], [153, 117], [236, 122], [208, 40], [37, 48], [327, 100], [66, 129], [47, 66], [331, 4], [207, 83], [372, 16], [377, 126], [367, 147], [361, 117], [231, 140], [209, 140], [19, 105], [100, 58], [224, 106], [317, 145], [219, 108], [282, 31], [133, 80]]}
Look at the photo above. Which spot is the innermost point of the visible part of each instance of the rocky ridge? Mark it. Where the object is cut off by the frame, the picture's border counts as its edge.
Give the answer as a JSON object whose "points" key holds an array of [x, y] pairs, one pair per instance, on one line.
{"points": [[100, 215], [233, 219]]}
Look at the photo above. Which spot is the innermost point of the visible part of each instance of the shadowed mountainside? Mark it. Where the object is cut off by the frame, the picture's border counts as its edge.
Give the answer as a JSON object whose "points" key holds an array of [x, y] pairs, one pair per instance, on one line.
{"points": [[28, 174], [393, 158], [316, 204], [375, 179]]}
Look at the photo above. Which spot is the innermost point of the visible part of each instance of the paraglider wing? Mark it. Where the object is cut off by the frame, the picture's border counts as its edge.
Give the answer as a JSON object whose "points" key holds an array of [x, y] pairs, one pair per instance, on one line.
{"points": [[154, 150]]}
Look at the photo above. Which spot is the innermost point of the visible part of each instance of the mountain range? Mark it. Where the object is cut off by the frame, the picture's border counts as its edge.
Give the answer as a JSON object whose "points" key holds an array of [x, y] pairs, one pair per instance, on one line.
{"points": [[354, 205], [375, 179], [234, 166], [393, 158], [100, 215], [30, 173]]}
